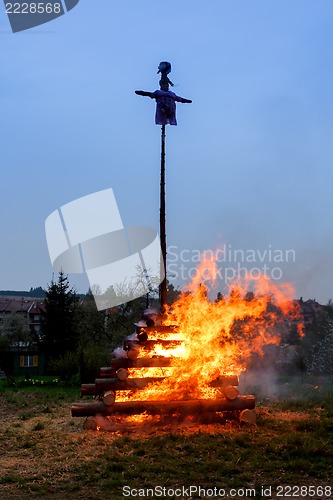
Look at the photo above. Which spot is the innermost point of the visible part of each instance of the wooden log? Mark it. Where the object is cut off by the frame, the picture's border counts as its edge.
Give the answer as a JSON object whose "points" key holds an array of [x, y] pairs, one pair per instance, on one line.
{"points": [[122, 374], [230, 392], [159, 329], [110, 371], [150, 344], [191, 407], [88, 389], [91, 409], [97, 423], [113, 384], [248, 416], [157, 362], [133, 353], [142, 336], [140, 383], [109, 397], [90, 424]]}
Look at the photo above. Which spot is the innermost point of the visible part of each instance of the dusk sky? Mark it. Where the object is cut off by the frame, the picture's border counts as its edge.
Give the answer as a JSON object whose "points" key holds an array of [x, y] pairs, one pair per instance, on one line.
{"points": [[249, 166]]}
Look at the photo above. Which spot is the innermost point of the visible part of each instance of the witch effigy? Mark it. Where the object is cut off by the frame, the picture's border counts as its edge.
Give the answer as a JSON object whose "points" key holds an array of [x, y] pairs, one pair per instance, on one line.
{"points": [[165, 98]]}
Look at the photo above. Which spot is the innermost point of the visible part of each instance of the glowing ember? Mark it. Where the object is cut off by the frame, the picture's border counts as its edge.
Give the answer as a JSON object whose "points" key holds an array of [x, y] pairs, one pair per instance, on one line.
{"points": [[141, 418]]}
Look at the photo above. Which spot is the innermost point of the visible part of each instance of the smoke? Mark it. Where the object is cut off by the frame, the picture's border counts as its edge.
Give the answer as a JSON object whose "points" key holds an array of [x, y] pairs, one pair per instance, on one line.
{"points": [[268, 384], [263, 383]]}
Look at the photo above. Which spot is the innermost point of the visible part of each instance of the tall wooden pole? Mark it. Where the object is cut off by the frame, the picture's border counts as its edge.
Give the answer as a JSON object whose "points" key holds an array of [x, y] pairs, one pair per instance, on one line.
{"points": [[165, 113], [163, 286]]}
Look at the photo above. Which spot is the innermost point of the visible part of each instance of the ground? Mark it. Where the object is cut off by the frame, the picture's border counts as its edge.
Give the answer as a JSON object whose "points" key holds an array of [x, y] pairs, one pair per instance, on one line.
{"points": [[46, 454]]}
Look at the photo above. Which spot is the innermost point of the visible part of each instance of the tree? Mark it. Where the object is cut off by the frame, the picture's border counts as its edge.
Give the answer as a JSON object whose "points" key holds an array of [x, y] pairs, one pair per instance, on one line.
{"points": [[37, 292], [4, 348], [173, 293], [15, 329], [322, 360], [91, 323], [316, 341], [59, 333]]}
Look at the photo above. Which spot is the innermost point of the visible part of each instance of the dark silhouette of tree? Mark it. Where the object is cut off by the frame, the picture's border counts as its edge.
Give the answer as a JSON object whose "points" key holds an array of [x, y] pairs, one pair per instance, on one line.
{"points": [[37, 292], [59, 333], [173, 293], [316, 344], [15, 328]]}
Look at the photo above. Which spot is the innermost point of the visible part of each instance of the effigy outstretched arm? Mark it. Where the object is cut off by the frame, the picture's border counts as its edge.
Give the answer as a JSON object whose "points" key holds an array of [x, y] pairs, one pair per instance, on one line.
{"points": [[145, 94], [181, 99]]}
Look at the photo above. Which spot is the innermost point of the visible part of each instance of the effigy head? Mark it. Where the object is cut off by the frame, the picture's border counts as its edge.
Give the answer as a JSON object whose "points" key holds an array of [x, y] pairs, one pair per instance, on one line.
{"points": [[164, 68]]}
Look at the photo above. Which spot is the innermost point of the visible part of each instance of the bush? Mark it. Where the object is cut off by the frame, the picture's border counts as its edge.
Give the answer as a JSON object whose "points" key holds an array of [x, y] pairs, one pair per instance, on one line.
{"points": [[67, 366], [91, 358], [82, 365]]}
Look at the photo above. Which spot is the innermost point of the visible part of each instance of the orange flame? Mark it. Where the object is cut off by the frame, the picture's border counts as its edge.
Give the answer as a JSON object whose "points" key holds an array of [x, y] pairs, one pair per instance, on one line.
{"points": [[217, 338]]}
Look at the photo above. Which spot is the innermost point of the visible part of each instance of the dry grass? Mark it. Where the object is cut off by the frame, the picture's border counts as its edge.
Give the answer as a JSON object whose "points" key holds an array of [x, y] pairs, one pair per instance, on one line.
{"points": [[46, 454]]}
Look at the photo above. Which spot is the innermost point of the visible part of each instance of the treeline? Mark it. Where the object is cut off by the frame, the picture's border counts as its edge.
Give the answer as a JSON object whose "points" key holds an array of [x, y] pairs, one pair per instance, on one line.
{"points": [[38, 292], [75, 337]]}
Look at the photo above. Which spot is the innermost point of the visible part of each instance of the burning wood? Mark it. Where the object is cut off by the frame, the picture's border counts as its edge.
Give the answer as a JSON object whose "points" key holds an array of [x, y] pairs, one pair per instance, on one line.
{"points": [[133, 353], [122, 374], [160, 329], [230, 392], [130, 384], [193, 369], [135, 363], [150, 344], [192, 407], [109, 398], [114, 384]]}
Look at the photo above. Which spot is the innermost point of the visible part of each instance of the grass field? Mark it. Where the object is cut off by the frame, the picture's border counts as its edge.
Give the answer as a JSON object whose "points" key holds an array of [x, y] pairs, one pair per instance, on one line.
{"points": [[46, 454]]}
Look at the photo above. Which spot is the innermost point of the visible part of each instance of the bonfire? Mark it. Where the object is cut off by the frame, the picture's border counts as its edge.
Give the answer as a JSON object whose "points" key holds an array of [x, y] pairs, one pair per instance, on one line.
{"points": [[187, 362]]}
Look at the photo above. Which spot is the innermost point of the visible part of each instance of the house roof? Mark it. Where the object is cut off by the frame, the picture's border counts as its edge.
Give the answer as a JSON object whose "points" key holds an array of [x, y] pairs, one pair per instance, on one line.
{"points": [[22, 305]]}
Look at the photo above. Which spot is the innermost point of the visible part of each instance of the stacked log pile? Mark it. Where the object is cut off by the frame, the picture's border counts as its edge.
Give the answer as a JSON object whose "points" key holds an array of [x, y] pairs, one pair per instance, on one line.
{"points": [[116, 378]]}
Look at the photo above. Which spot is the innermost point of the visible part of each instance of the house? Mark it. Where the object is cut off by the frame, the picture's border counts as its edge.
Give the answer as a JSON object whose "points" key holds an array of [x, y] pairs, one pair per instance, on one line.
{"points": [[23, 357], [30, 308], [24, 360], [310, 310]]}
